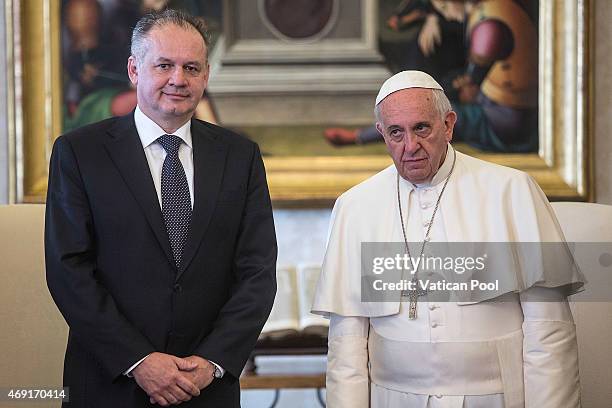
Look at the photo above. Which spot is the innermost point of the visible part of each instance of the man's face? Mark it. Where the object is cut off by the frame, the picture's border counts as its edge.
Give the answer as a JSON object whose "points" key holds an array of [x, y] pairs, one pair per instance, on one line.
{"points": [[415, 134], [172, 76]]}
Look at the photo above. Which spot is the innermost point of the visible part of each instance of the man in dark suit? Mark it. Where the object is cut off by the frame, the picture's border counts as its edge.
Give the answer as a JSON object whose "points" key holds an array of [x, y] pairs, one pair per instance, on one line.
{"points": [[159, 238]]}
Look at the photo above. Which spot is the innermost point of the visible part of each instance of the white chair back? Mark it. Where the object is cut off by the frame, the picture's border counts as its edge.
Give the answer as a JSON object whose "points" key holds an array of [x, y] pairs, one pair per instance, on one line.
{"points": [[33, 332], [581, 223]]}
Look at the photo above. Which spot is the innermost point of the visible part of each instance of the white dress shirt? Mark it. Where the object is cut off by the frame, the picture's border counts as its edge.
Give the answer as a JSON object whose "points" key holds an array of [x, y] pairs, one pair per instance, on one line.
{"points": [[149, 132]]}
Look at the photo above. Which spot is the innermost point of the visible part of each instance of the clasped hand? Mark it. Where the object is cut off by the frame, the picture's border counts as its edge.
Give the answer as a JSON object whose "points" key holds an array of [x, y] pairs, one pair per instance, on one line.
{"points": [[170, 380]]}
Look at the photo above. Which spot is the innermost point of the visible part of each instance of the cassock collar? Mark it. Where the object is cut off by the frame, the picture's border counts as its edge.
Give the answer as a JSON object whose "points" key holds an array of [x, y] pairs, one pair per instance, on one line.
{"points": [[149, 131], [440, 175]]}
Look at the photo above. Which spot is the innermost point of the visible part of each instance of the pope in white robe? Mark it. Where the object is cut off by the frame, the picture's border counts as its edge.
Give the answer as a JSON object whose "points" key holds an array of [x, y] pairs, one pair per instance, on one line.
{"points": [[507, 351]]}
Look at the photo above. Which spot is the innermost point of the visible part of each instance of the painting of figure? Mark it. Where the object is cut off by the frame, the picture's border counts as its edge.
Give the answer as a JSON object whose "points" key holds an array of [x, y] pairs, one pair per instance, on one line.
{"points": [[300, 77], [484, 51]]}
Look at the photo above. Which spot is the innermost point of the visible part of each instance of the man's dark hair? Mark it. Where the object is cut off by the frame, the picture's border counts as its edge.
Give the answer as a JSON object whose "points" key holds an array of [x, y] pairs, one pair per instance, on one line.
{"points": [[160, 19]]}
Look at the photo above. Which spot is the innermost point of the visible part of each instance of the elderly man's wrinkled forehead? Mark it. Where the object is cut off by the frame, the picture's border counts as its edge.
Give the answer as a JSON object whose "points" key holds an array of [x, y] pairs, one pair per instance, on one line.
{"points": [[423, 100]]}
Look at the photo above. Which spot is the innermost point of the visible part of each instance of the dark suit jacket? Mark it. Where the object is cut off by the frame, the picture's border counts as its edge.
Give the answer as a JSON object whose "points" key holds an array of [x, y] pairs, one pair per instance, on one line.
{"points": [[111, 272]]}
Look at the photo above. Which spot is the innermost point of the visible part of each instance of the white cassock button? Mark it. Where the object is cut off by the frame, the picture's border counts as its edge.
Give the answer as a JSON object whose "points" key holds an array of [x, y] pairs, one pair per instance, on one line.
{"points": [[438, 396], [434, 325], [425, 205], [426, 223], [427, 239], [432, 307]]}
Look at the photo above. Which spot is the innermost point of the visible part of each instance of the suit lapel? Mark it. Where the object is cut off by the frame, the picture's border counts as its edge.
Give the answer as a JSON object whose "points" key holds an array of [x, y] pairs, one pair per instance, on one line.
{"points": [[209, 155], [125, 149]]}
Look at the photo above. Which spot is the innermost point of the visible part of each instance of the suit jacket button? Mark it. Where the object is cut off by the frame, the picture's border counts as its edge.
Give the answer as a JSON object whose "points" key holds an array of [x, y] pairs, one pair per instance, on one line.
{"points": [[178, 288]]}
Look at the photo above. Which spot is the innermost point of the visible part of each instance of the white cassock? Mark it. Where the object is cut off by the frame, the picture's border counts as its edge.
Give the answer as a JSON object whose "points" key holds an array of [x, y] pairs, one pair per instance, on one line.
{"points": [[509, 353]]}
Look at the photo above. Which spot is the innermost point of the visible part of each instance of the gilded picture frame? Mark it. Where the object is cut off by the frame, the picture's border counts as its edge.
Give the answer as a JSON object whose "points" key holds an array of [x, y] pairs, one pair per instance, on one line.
{"points": [[562, 166]]}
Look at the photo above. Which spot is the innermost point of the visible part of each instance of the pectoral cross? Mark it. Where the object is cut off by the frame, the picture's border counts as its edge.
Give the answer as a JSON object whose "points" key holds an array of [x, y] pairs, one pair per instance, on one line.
{"points": [[413, 296]]}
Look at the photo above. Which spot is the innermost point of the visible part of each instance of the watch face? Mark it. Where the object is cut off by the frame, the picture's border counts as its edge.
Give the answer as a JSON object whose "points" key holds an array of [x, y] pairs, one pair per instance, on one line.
{"points": [[217, 372], [299, 19]]}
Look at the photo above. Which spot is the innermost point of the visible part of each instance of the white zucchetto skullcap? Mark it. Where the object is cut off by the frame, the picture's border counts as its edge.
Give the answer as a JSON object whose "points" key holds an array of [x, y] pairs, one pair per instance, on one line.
{"points": [[405, 80]]}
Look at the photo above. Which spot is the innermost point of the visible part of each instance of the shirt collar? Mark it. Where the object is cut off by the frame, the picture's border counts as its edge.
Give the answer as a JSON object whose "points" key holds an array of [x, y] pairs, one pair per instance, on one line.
{"points": [[440, 175], [149, 131]]}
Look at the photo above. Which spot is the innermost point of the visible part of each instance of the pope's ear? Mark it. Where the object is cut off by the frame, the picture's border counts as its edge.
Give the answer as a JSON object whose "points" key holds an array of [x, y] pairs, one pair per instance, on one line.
{"points": [[379, 128], [449, 122], [132, 70]]}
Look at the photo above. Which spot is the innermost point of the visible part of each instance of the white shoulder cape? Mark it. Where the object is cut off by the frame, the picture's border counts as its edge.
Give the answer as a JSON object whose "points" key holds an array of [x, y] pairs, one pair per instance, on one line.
{"points": [[483, 202]]}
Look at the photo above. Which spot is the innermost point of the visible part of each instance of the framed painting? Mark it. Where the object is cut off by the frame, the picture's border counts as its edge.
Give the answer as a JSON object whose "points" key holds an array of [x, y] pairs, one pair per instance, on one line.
{"points": [[286, 82]]}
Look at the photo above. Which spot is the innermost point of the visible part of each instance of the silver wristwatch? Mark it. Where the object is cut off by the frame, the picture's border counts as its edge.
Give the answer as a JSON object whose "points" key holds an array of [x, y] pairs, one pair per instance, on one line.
{"points": [[217, 372]]}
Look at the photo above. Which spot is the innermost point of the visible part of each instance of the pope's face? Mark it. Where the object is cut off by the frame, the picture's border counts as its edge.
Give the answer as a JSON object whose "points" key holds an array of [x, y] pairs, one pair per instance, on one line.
{"points": [[415, 134], [172, 76]]}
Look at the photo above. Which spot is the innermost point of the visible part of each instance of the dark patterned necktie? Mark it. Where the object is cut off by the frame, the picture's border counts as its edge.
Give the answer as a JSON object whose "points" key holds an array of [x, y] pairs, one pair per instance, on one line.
{"points": [[176, 201]]}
